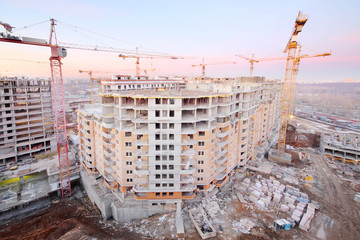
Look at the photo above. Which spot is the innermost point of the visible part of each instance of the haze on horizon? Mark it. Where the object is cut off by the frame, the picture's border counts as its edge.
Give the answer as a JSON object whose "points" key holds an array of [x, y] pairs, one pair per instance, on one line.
{"points": [[216, 31]]}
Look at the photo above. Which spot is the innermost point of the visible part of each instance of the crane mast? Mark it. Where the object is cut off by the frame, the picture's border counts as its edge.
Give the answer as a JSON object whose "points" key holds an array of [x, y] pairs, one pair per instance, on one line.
{"points": [[59, 108], [293, 82], [290, 78]]}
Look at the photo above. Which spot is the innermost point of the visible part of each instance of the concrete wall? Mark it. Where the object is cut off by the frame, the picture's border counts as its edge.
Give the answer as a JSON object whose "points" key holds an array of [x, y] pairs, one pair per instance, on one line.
{"points": [[131, 209], [104, 204], [134, 210]]}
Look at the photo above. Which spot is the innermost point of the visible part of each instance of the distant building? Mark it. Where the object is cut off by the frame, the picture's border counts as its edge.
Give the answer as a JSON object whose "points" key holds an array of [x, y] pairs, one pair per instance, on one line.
{"points": [[164, 139], [341, 146], [26, 118]]}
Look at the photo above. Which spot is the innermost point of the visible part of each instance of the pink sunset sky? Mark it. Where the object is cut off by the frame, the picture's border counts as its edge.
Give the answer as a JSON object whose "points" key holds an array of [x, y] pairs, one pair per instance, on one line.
{"points": [[211, 29]]}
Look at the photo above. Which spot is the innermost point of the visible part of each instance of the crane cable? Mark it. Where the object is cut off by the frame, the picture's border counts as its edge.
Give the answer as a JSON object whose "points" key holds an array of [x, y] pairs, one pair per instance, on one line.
{"points": [[76, 29], [29, 26], [92, 32]]}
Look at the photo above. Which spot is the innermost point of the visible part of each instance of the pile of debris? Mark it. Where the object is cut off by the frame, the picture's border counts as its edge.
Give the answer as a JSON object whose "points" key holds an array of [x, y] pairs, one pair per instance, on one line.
{"points": [[271, 194], [244, 225], [158, 226], [211, 207]]}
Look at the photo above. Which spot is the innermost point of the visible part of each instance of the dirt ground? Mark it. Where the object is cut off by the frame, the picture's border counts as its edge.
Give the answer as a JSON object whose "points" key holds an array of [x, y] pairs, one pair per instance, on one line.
{"points": [[338, 217], [337, 203], [67, 219], [301, 139]]}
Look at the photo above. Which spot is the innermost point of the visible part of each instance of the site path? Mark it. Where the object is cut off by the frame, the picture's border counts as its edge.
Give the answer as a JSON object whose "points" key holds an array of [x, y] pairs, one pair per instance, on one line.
{"points": [[336, 203]]}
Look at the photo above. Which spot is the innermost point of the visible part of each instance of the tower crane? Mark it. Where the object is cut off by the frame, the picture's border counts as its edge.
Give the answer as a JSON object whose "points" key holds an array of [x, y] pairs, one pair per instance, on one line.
{"points": [[203, 65], [292, 67], [58, 51], [149, 70], [137, 56], [290, 49], [294, 75], [253, 60], [90, 73]]}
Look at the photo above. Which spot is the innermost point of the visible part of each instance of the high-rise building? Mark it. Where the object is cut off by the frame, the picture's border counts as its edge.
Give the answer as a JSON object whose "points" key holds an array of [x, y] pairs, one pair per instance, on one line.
{"points": [[168, 139], [26, 118]]}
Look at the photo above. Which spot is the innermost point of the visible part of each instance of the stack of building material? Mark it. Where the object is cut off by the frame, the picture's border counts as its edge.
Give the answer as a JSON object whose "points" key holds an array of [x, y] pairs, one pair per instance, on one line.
{"points": [[357, 197], [277, 197], [301, 206], [291, 207], [260, 204], [284, 208], [288, 199], [306, 219], [254, 196], [296, 215]]}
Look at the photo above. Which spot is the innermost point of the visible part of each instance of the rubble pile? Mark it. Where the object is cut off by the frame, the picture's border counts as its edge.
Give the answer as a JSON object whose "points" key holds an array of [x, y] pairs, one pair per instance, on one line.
{"points": [[244, 225], [211, 207], [270, 194], [155, 227]]}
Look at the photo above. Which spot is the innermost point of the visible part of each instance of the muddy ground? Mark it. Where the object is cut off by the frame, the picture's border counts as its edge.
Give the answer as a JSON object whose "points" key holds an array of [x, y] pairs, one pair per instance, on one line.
{"points": [[73, 218], [338, 217]]}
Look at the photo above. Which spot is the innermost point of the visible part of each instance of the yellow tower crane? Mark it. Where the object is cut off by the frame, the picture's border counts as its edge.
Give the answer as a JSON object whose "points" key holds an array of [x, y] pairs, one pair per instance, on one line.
{"points": [[294, 75], [203, 64], [292, 67], [137, 56], [90, 73], [253, 60]]}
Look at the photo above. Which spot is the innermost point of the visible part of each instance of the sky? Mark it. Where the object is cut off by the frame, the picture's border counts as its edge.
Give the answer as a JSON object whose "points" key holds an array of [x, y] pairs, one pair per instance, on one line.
{"points": [[214, 30]]}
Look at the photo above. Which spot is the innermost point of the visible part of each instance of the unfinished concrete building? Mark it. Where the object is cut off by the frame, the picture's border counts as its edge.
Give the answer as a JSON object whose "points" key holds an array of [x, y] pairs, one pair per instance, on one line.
{"points": [[26, 118], [341, 146], [172, 140]]}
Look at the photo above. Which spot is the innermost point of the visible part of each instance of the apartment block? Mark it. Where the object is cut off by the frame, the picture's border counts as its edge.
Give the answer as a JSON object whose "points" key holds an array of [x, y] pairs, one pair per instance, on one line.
{"points": [[26, 118], [341, 146], [173, 139]]}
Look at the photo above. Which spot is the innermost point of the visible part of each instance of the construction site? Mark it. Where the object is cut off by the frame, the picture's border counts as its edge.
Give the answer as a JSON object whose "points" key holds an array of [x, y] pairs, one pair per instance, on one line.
{"points": [[171, 157]]}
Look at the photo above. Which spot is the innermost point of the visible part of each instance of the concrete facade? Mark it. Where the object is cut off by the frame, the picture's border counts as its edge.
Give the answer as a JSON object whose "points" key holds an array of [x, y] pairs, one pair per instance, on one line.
{"points": [[26, 118], [165, 140]]}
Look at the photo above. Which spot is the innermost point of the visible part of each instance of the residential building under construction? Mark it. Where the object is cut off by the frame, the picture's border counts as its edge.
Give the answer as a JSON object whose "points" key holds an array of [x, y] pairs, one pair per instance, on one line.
{"points": [[26, 118], [162, 139], [341, 146]]}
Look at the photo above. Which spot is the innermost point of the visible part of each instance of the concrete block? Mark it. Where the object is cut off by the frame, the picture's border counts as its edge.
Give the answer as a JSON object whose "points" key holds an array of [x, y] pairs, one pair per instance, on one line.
{"points": [[284, 208], [304, 195], [260, 204], [296, 194], [255, 193], [288, 199], [291, 207], [253, 198], [301, 206]]}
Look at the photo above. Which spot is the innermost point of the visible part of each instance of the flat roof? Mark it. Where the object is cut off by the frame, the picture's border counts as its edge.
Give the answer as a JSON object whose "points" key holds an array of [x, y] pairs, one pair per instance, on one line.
{"points": [[165, 93]]}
